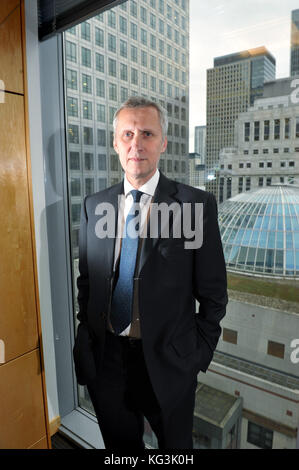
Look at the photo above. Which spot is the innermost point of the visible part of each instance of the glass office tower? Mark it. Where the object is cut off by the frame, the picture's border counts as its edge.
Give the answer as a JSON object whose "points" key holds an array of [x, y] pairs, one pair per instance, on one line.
{"points": [[295, 43], [136, 48], [232, 85]]}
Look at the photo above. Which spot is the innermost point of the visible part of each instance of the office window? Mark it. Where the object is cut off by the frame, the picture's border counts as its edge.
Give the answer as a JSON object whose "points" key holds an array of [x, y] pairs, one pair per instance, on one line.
{"points": [[73, 134], [99, 37], [134, 31], [86, 83], [72, 107], [144, 58], [100, 62], [88, 161], [114, 162], [76, 210], [112, 91], [87, 109], [89, 186], [266, 130], [143, 80], [153, 42], [261, 181], [102, 162], [230, 336], [134, 76], [287, 128], [123, 72], [101, 137], [259, 436], [143, 36], [88, 135], [71, 77], [85, 31], [123, 48], [74, 161], [133, 8], [101, 113], [71, 51], [246, 131], [297, 127], [100, 87], [275, 349], [112, 67], [111, 18], [143, 15], [277, 129], [134, 54], [123, 25], [256, 130], [102, 183], [111, 43], [86, 57]]}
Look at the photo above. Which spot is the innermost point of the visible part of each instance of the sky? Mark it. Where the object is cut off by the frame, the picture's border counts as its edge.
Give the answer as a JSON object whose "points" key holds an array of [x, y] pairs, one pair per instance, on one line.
{"points": [[220, 27]]}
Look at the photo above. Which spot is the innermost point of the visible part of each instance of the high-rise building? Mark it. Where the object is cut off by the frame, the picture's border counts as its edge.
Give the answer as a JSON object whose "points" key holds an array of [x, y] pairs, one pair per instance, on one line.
{"points": [[233, 84], [200, 142], [294, 63], [136, 48], [266, 148]]}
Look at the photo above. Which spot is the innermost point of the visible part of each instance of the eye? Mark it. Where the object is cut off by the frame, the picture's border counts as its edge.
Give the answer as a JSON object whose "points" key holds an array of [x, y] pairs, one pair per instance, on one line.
{"points": [[128, 134], [148, 133]]}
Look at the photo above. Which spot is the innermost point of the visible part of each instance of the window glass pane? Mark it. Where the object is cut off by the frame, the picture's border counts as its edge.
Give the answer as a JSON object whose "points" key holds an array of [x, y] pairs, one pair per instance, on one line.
{"points": [[221, 72]]}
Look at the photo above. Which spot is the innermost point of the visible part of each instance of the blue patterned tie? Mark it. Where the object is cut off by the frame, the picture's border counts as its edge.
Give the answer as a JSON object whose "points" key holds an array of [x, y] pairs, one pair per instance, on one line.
{"points": [[122, 300]]}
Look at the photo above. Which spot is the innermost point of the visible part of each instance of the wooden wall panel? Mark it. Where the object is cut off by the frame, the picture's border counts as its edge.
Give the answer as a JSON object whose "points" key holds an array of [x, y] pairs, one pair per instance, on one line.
{"points": [[6, 7], [11, 63], [22, 418], [23, 400], [18, 319]]}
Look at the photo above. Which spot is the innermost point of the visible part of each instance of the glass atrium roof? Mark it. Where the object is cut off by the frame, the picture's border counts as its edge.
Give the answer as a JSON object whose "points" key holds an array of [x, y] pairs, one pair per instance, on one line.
{"points": [[260, 231]]}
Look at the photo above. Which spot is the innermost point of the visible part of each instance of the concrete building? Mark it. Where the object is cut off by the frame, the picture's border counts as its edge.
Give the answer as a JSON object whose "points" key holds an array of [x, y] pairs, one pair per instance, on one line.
{"points": [[294, 63], [257, 355], [196, 171], [266, 143], [200, 142], [233, 84]]}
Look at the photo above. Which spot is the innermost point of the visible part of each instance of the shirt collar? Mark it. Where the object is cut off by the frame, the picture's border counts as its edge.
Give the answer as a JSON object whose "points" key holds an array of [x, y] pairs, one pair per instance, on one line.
{"points": [[148, 188]]}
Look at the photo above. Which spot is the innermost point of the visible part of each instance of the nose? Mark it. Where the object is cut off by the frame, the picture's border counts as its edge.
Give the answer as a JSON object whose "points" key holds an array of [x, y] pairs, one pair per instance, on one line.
{"points": [[137, 142]]}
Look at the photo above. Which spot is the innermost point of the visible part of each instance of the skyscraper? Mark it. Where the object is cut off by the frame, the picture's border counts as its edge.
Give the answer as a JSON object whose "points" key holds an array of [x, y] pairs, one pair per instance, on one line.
{"points": [[232, 86], [200, 142], [295, 43], [136, 48]]}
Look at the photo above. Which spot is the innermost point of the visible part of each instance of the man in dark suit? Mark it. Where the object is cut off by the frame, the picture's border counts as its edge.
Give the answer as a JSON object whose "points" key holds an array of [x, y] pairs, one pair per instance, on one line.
{"points": [[140, 343]]}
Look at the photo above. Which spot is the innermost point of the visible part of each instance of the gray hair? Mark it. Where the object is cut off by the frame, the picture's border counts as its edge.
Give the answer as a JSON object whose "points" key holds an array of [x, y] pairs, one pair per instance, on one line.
{"points": [[140, 102]]}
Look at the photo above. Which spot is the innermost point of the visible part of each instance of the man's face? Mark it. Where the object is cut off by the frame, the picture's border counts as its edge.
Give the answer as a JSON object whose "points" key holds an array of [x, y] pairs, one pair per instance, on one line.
{"points": [[139, 143]]}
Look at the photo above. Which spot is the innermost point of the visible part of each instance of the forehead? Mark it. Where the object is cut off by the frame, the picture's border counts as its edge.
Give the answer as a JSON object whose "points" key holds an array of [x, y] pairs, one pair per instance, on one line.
{"points": [[147, 117]]}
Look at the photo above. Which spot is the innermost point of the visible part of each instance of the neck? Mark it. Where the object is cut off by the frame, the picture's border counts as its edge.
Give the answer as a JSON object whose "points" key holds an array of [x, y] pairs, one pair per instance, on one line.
{"points": [[139, 181]]}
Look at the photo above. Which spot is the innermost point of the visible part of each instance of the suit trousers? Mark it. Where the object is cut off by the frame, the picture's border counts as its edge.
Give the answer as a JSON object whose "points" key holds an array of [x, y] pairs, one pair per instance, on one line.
{"points": [[122, 395]]}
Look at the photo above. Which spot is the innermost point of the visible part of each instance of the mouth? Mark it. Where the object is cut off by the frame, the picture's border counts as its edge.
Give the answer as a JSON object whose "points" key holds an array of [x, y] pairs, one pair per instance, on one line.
{"points": [[136, 159]]}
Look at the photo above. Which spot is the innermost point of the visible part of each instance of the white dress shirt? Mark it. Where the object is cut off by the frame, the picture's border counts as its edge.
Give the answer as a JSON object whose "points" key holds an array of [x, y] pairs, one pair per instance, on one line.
{"points": [[125, 204]]}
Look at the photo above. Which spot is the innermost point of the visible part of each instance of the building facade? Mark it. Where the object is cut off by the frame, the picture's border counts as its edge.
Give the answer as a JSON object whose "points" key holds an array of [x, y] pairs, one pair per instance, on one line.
{"points": [[137, 48], [200, 142], [232, 86], [196, 171], [266, 143], [294, 63]]}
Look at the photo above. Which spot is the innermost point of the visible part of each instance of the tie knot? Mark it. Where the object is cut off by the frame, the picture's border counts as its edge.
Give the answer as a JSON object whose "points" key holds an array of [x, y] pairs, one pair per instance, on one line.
{"points": [[136, 195]]}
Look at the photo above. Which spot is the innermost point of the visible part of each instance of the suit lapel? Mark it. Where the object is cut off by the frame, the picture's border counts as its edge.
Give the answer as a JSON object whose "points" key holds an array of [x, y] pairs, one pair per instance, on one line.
{"points": [[113, 199], [165, 191]]}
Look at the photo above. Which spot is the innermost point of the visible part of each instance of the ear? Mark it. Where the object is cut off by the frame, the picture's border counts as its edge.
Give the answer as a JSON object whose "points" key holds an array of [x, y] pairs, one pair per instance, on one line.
{"points": [[164, 145], [115, 145]]}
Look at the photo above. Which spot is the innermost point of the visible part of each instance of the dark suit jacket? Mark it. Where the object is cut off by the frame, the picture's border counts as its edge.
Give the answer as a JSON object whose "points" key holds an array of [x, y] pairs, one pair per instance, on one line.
{"points": [[177, 341]]}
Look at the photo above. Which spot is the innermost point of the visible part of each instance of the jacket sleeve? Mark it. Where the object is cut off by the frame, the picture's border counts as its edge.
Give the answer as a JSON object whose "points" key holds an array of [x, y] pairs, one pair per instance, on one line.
{"points": [[210, 282], [83, 280]]}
